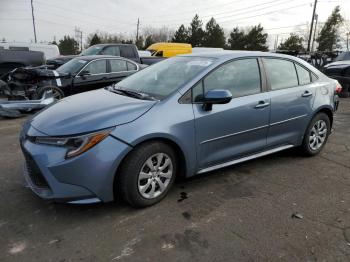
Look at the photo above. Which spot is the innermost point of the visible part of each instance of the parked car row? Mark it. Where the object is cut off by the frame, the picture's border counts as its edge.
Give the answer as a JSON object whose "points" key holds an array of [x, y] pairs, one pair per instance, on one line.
{"points": [[183, 116]]}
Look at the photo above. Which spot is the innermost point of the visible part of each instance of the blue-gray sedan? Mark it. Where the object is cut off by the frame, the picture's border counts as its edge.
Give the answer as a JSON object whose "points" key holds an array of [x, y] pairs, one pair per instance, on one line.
{"points": [[184, 116]]}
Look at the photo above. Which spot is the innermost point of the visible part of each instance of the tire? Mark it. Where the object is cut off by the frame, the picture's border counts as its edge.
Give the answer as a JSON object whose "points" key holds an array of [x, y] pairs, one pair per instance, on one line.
{"points": [[57, 92], [314, 132], [136, 175]]}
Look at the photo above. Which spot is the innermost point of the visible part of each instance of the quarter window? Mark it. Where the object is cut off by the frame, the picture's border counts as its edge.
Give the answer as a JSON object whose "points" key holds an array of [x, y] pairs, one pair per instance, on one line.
{"points": [[303, 75], [281, 73], [118, 65], [240, 77], [131, 66], [97, 67]]}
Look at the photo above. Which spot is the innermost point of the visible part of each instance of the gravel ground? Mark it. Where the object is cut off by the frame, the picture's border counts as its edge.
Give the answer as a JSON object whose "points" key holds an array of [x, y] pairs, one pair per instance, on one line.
{"points": [[241, 213]]}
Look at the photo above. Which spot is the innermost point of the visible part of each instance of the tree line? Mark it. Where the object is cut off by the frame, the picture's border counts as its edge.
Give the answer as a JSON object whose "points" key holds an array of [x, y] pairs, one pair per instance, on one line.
{"points": [[213, 35]]}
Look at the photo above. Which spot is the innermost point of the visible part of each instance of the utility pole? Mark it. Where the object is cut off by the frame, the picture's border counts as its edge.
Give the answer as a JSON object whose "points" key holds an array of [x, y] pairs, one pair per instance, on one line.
{"points": [[137, 30], [347, 40], [31, 2], [313, 39], [312, 26], [81, 41], [79, 37]]}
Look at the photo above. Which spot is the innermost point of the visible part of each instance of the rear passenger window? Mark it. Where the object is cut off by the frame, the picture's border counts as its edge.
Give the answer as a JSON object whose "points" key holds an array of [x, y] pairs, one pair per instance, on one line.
{"points": [[127, 51], [303, 75], [281, 73], [118, 65], [111, 50], [131, 66], [240, 77]]}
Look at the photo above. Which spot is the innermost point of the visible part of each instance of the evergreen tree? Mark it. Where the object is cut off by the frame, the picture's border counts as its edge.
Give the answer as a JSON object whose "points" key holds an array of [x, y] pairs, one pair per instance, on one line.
{"points": [[68, 46], [95, 40], [214, 35], [196, 32], [292, 43], [181, 35], [256, 39], [237, 39], [329, 35]]}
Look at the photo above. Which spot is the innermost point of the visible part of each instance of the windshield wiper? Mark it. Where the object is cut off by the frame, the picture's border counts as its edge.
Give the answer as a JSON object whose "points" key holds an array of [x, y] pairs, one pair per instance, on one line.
{"points": [[131, 93]]}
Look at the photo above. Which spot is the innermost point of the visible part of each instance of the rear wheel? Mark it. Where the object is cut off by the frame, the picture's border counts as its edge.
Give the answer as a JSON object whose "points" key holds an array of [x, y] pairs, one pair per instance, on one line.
{"points": [[56, 91], [147, 174], [316, 134]]}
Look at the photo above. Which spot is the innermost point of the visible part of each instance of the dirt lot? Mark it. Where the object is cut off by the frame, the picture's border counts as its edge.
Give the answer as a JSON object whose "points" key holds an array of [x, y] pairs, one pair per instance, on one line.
{"points": [[241, 213]]}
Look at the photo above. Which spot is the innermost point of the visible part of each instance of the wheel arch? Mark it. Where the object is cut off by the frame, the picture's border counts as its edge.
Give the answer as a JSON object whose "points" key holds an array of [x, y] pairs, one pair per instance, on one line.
{"points": [[182, 165], [326, 110]]}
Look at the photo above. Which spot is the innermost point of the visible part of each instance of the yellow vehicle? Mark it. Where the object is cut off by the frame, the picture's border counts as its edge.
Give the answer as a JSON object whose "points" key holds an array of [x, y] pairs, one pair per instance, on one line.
{"points": [[169, 49]]}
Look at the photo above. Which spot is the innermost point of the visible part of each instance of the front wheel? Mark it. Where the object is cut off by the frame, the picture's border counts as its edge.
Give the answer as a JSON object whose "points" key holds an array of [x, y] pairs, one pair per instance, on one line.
{"points": [[56, 92], [147, 174], [316, 135]]}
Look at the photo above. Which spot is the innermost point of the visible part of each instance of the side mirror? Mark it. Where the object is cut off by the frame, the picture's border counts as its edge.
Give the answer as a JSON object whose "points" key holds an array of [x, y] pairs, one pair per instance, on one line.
{"points": [[84, 73], [216, 96]]}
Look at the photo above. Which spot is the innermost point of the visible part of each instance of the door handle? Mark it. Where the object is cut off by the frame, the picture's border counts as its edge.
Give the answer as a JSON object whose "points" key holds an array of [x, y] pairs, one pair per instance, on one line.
{"points": [[262, 104], [306, 94]]}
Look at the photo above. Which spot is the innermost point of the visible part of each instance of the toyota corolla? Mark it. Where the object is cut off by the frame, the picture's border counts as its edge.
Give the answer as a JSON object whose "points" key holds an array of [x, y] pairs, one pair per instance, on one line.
{"points": [[184, 116]]}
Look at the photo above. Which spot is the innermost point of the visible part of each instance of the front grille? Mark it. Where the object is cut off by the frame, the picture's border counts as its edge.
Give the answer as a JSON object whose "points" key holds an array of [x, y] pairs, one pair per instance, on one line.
{"points": [[34, 172]]}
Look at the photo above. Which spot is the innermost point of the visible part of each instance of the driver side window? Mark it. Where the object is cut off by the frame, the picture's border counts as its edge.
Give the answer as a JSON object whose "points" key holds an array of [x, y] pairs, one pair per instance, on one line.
{"points": [[97, 67], [240, 77]]}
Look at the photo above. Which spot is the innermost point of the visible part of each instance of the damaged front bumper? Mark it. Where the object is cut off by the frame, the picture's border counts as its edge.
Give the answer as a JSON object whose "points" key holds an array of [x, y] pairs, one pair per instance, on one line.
{"points": [[14, 108]]}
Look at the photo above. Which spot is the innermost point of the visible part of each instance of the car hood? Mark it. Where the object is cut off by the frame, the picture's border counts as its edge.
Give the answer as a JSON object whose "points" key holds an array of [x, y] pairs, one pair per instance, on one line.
{"points": [[89, 112]]}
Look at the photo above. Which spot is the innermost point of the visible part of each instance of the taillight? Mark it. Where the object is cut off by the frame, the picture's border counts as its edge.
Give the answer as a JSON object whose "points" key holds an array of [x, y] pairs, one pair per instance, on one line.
{"points": [[338, 88]]}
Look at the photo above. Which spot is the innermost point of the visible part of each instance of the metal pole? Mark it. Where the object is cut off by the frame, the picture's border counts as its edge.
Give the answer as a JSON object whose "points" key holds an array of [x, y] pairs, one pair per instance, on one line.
{"points": [[137, 30], [312, 25], [81, 41], [31, 2], [313, 40]]}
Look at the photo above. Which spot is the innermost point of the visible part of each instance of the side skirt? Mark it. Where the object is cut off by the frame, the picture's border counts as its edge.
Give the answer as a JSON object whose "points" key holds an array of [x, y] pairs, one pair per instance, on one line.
{"points": [[243, 159]]}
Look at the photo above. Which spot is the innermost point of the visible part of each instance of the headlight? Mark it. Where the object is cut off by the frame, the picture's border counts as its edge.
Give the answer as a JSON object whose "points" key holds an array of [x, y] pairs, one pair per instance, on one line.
{"points": [[75, 145]]}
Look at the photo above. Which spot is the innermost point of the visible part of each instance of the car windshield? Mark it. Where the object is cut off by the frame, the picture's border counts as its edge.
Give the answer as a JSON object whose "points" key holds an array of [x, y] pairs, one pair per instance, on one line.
{"points": [[93, 50], [72, 67], [163, 78]]}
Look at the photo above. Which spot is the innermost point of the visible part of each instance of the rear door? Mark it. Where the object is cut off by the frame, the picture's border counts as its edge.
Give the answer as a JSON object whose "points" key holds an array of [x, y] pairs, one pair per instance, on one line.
{"points": [[129, 51], [119, 69], [292, 93], [97, 77], [238, 128]]}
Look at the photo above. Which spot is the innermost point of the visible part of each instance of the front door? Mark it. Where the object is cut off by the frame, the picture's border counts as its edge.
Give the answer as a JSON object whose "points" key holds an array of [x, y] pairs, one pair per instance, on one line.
{"points": [[235, 129], [93, 76]]}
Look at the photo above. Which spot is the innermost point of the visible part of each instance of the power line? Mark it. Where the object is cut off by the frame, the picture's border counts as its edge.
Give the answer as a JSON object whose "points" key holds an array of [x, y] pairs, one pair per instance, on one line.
{"points": [[234, 12]]}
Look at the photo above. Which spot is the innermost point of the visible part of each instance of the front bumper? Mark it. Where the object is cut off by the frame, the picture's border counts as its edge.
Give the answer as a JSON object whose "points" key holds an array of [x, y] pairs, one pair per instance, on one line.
{"points": [[87, 178]]}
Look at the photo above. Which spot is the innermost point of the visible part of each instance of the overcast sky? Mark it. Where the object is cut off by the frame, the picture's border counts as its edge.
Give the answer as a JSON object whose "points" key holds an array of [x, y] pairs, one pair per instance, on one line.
{"points": [[55, 18]]}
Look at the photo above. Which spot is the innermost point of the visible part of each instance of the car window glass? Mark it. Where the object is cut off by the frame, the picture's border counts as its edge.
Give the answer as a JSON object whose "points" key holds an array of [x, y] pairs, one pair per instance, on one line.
{"points": [[111, 50], [127, 51], [97, 67], [281, 73], [197, 92], [303, 75], [118, 65], [131, 66], [240, 77]]}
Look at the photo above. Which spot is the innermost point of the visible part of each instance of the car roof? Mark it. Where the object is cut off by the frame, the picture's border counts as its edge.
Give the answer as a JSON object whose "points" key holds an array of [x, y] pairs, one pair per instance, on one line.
{"points": [[93, 57], [230, 54]]}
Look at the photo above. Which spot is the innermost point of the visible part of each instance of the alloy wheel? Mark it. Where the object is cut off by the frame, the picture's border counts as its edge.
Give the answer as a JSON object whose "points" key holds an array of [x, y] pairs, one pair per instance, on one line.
{"points": [[318, 135], [155, 175]]}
